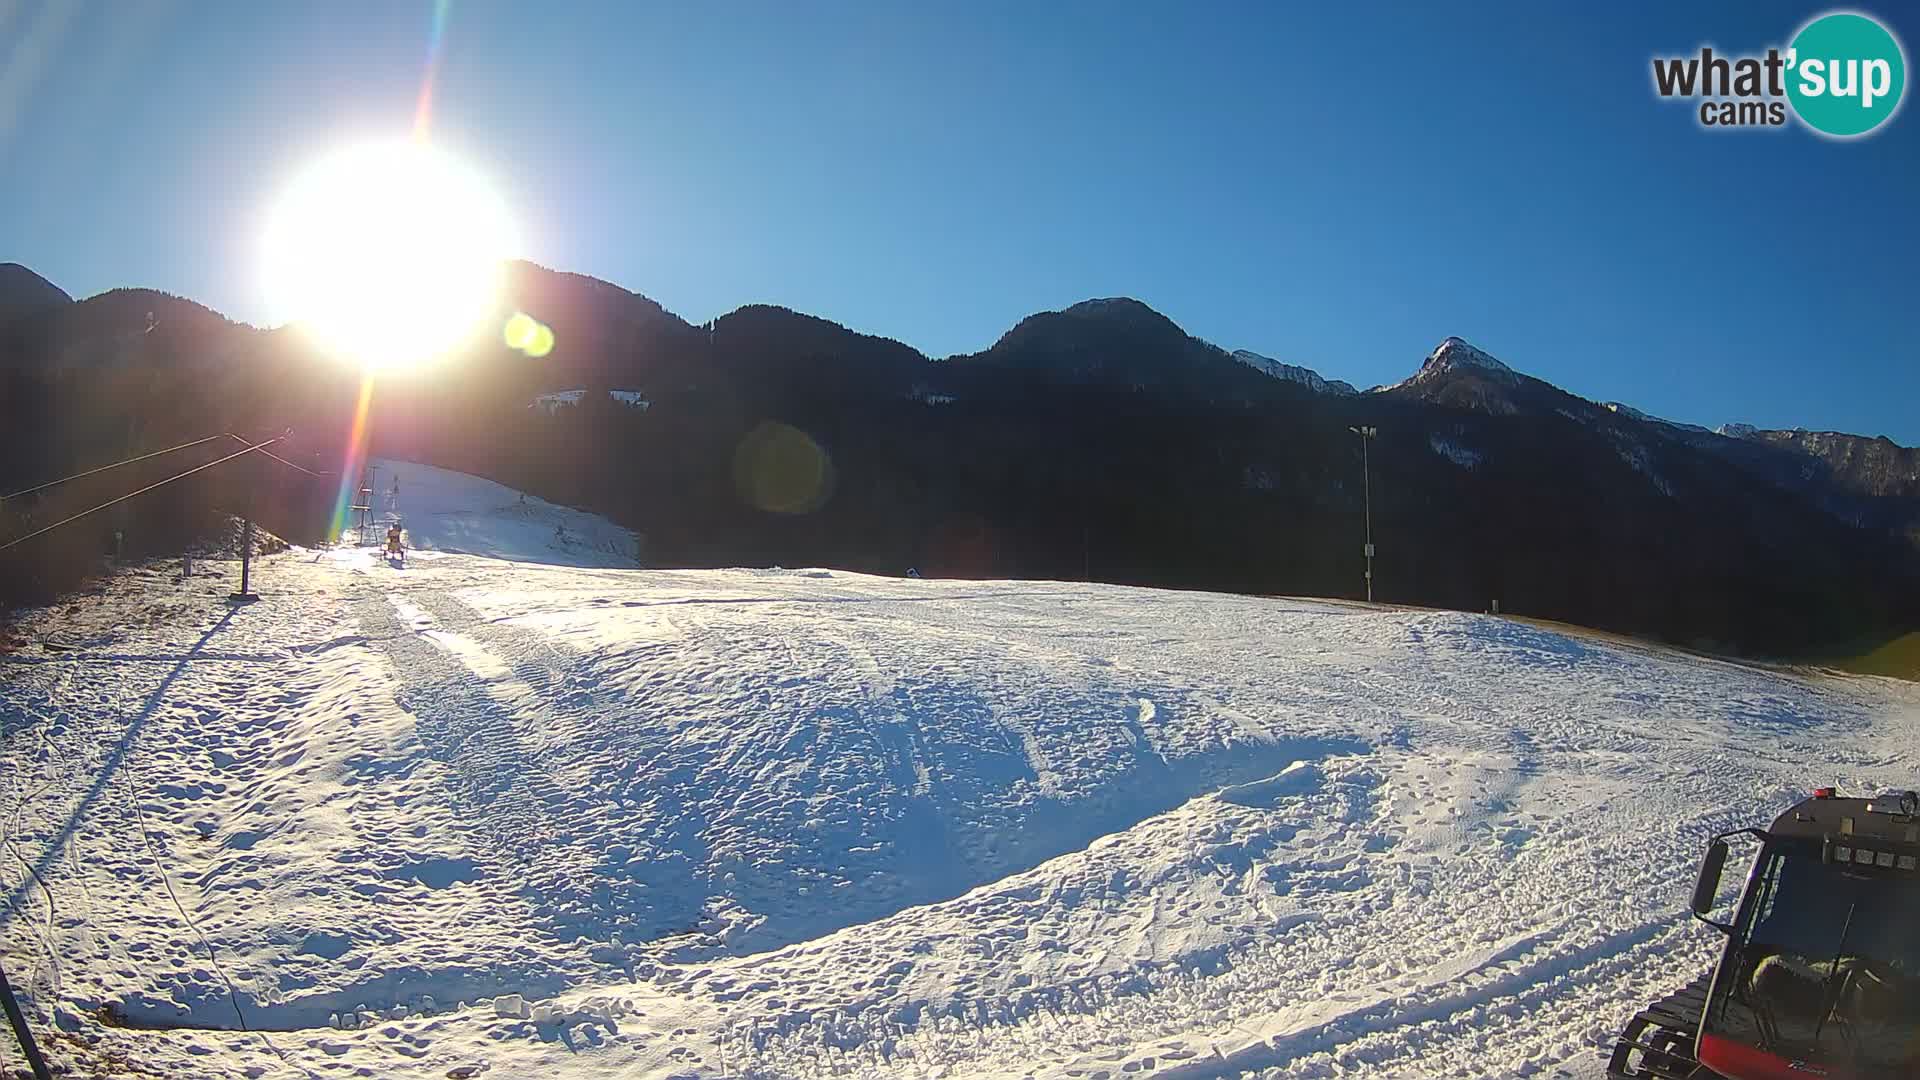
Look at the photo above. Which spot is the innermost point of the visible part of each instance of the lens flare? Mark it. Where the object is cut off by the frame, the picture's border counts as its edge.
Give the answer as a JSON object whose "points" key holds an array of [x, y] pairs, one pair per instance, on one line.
{"points": [[779, 468], [352, 460], [518, 333], [542, 342], [527, 334]]}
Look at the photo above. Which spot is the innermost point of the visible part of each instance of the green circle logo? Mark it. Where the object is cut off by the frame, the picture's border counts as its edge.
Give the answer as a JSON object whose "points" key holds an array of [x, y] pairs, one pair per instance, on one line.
{"points": [[1846, 74]]}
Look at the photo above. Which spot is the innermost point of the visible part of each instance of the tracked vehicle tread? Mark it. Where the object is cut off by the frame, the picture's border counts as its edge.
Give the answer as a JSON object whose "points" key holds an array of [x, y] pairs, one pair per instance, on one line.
{"points": [[1658, 1041]]}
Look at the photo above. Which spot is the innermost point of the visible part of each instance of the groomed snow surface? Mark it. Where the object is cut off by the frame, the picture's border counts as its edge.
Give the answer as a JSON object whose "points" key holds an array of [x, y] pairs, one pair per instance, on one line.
{"points": [[444, 511], [483, 816]]}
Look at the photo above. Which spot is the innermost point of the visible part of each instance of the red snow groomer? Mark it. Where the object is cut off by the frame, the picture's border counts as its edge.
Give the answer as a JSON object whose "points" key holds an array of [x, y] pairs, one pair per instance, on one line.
{"points": [[1820, 976]]}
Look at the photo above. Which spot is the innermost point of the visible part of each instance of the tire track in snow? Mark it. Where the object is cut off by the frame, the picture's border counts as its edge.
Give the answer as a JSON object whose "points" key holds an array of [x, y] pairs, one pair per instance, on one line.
{"points": [[1540, 976], [47, 971], [501, 787], [507, 684], [54, 756]]}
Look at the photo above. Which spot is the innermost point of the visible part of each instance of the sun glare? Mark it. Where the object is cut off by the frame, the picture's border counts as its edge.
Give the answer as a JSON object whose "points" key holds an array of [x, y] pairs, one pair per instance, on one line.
{"points": [[389, 254]]}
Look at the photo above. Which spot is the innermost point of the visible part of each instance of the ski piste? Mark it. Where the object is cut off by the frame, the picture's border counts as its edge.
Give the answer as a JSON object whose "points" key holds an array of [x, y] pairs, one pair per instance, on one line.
{"points": [[534, 808]]}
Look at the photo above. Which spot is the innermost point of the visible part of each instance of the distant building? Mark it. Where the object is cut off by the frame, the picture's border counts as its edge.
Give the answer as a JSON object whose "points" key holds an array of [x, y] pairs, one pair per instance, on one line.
{"points": [[552, 403]]}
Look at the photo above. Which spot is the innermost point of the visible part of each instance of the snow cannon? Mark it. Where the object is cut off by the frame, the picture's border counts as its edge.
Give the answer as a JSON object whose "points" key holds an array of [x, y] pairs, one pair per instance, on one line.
{"points": [[1820, 973]]}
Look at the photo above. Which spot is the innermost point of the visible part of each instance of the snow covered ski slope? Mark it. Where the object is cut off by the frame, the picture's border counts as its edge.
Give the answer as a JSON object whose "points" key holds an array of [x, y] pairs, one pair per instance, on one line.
{"points": [[446, 511], [491, 818]]}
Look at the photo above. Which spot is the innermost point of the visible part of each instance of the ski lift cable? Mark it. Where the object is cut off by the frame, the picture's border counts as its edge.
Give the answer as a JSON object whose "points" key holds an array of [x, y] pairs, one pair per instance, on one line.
{"points": [[104, 468], [132, 494], [242, 440]]}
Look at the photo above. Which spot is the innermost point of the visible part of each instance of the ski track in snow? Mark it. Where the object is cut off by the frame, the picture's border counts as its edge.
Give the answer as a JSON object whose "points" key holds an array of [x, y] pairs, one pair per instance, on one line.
{"points": [[766, 823]]}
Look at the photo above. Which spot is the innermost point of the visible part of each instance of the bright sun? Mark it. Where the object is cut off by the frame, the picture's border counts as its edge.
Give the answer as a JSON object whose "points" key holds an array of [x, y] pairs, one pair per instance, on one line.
{"points": [[389, 254]]}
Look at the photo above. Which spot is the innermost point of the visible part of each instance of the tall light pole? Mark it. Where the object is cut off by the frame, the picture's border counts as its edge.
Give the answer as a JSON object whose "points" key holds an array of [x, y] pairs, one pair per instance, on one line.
{"points": [[1367, 435]]}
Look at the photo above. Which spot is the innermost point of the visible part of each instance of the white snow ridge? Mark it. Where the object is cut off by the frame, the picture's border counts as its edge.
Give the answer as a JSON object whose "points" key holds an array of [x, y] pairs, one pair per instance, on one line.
{"points": [[1306, 377], [486, 814], [1455, 352], [1623, 409]]}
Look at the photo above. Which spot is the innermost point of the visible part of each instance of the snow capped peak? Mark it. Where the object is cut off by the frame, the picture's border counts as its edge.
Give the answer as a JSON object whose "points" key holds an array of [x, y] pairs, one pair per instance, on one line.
{"points": [[1738, 431], [1306, 377], [1455, 352], [1456, 356]]}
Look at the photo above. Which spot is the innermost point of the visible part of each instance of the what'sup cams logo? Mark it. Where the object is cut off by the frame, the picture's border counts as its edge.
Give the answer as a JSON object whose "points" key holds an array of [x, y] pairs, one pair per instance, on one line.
{"points": [[1843, 76]]}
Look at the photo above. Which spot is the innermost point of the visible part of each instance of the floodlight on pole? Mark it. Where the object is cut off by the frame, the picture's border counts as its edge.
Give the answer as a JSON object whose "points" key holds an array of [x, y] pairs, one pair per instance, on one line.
{"points": [[1367, 434]]}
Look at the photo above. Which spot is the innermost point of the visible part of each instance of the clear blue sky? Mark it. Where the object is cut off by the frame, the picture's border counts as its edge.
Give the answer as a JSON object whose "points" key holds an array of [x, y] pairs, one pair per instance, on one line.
{"points": [[1332, 187]]}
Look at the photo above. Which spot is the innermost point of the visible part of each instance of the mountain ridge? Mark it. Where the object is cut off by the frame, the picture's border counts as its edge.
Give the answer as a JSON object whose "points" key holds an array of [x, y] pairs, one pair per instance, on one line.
{"points": [[1099, 440], [1306, 377], [607, 332], [24, 293], [529, 280]]}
